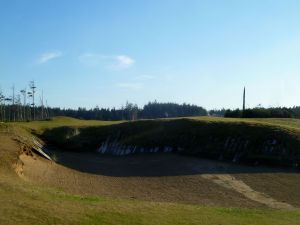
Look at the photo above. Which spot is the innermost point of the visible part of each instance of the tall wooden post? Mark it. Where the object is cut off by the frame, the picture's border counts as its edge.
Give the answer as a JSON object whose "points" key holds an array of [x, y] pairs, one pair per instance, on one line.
{"points": [[244, 99]]}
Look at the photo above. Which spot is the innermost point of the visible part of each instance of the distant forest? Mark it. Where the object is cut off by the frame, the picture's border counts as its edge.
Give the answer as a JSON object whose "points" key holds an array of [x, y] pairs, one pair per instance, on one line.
{"points": [[131, 111], [22, 106], [259, 112], [153, 110]]}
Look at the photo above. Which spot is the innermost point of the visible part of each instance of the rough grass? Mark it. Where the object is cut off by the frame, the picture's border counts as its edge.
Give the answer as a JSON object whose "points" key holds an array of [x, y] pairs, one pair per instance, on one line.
{"points": [[39, 126], [204, 136], [24, 203]]}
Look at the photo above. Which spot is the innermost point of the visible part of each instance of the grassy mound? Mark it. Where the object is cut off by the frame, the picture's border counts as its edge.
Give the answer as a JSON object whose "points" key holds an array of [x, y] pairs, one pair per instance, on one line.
{"points": [[22, 202], [272, 142]]}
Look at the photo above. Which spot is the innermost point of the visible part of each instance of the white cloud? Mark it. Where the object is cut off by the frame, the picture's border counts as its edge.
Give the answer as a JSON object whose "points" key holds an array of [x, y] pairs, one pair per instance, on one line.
{"points": [[47, 56], [123, 62], [114, 62], [130, 86]]}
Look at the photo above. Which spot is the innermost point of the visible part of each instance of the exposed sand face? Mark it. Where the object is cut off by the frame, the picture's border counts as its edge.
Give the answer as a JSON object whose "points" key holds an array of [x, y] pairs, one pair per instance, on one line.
{"points": [[155, 177]]}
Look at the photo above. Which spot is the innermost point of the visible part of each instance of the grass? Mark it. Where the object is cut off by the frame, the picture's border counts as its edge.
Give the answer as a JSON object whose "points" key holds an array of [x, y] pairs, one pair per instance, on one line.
{"points": [[40, 126], [291, 124], [204, 136], [24, 203]]}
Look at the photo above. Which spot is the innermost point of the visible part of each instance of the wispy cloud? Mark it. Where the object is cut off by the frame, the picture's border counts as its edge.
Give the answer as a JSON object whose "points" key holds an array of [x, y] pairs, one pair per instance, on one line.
{"points": [[144, 77], [123, 62], [47, 56], [130, 86], [114, 62]]}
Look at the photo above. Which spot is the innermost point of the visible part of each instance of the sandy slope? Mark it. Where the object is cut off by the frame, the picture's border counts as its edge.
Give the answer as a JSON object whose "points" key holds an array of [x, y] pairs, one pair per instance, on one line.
{"points": [[160, 177]]}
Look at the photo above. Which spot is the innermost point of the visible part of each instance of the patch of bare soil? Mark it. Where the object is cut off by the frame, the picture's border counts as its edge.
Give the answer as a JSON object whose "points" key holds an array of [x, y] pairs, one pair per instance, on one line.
{"points": [[9, 151], [154, 177], [282, 186], [230, 182]]}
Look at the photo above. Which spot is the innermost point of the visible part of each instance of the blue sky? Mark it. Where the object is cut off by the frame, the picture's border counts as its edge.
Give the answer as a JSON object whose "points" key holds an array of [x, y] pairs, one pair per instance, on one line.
{"points": [[88, 53]]}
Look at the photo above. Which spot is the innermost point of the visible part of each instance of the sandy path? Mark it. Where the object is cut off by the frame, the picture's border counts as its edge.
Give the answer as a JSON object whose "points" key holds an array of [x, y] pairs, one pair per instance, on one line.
{"points": [[228, 181]]}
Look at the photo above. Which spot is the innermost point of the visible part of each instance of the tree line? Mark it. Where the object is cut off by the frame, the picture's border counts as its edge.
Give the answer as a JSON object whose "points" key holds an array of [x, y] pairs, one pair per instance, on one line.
{"points": [[21, 105], [131, 111], [27, 104], [260, 112], [154, 110]]}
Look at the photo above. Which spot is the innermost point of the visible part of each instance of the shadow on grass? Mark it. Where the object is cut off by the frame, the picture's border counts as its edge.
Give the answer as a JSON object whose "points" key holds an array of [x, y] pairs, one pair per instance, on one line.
{"points": [[251, 144]]}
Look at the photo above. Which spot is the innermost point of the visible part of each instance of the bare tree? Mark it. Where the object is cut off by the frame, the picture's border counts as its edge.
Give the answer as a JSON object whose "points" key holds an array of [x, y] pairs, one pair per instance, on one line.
{"points": [[42, 106], [47, 111], [18, 107], [23, 92], [2, 108], [8, 100], [31, 94], [13, 108]]}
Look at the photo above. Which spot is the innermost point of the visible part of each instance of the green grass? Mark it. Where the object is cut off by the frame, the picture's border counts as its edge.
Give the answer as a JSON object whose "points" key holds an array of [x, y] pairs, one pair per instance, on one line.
{"points": [[40, 126], [292, 124], [24, 203], [203, 136]]}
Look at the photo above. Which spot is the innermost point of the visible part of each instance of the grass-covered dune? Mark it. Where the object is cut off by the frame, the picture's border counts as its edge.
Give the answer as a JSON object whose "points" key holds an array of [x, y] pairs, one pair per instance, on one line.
{"points": [[24, 202], [260, 141]]}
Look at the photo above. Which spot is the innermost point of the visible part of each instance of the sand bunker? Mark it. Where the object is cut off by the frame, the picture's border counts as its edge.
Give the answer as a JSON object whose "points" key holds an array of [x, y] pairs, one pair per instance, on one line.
{"points": [[158, 177]]}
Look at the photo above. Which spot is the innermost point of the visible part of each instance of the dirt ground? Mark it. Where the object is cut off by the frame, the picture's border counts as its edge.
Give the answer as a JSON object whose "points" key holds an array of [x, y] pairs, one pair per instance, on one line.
{"points": [[164, 177]]}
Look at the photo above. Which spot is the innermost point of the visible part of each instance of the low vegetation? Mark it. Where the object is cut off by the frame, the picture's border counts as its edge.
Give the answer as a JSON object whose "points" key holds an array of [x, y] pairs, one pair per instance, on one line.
{"points": [[261, 112], [272, 142], [22, 202]]}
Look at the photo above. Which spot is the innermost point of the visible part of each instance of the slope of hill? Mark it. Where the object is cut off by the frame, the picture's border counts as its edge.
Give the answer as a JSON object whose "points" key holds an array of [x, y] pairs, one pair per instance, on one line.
{"points": [[272, 142], [87, 188]]}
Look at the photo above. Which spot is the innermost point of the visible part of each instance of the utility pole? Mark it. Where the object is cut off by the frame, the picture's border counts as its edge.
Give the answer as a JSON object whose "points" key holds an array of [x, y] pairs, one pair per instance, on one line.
{"points": [[244, 99]]}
